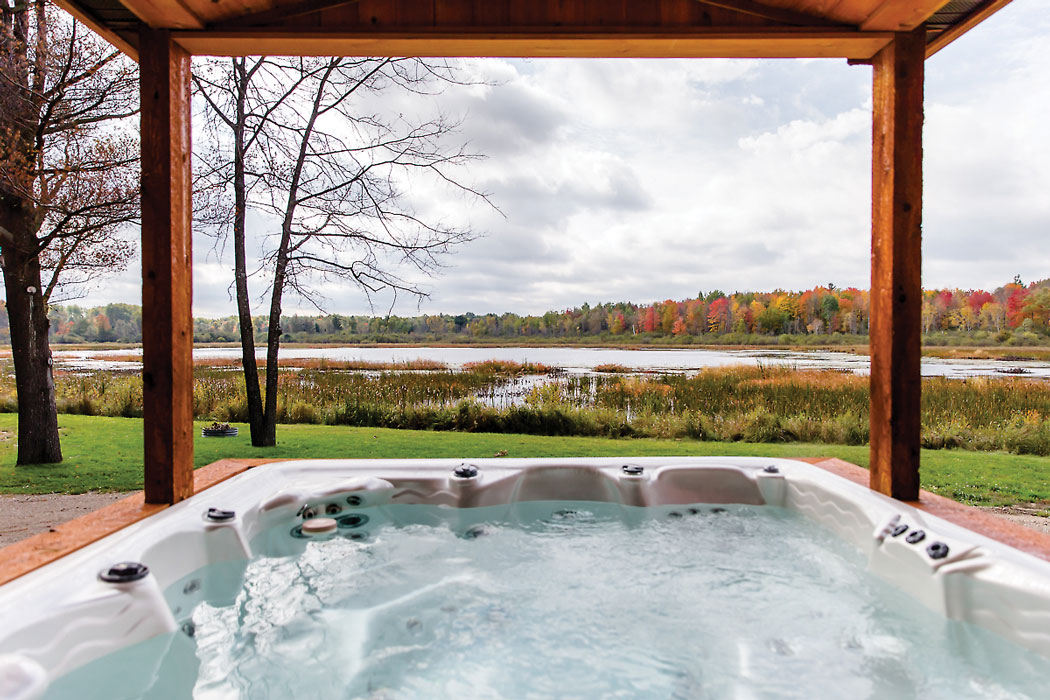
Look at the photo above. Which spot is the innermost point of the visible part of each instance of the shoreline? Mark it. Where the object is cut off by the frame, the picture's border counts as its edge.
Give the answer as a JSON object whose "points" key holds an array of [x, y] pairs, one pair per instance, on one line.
{"points": [[960, 352]]}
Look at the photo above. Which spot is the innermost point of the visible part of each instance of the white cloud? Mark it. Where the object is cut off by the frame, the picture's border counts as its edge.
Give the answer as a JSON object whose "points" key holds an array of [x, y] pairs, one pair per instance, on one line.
{"points": [[644, 180]]}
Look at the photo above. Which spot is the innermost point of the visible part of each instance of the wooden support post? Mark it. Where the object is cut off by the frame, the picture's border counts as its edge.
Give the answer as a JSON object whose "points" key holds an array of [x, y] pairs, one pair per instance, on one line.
{"points": [[896, 251], [167, 276]]}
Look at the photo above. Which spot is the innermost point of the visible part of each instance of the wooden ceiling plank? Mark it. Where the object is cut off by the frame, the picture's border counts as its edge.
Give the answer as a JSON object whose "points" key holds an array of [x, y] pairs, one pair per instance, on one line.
{"points": [[216, 11], [97, 26], [777, 14], [503, 15], [281, 13], [490, 14], [379, 13], [614, 14], [971, 20], [576, 43], [710, 14], [451, 13], [852, 11], [640, 14], [822, 8], [901, 15], [165, 14]]}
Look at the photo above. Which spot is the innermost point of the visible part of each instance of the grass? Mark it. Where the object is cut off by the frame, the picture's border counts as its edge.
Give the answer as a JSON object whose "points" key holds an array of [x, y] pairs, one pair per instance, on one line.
{"points": [[613, 368], [988, 353], [727, 404], [105, 454], [506, 367]]}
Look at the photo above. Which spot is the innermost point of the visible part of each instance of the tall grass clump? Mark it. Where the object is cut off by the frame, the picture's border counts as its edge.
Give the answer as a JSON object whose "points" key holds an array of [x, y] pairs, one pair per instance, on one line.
{"points": [[754, 404], [612, 368], [506, 367]]}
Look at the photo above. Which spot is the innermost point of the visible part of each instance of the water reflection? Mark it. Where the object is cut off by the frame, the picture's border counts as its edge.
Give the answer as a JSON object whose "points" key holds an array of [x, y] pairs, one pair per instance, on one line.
{"points": [[584, 360]]}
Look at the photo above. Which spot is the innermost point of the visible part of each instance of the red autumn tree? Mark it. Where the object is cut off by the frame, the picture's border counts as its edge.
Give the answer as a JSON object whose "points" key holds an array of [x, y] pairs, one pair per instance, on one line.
{"points": [[649, 320]]}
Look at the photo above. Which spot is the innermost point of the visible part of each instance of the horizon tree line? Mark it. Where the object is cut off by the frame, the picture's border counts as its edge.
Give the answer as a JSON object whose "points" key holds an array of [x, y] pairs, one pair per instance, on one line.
{"points": [[823, 310]]}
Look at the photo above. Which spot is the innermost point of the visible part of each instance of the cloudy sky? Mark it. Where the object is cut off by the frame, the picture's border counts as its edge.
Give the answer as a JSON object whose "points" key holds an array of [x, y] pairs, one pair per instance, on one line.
{"points": [[650, 179]]}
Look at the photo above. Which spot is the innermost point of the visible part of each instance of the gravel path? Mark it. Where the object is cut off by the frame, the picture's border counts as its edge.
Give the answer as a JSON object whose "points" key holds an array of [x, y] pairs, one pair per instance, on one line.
{"points": [[23, 516], [1023, 516]]}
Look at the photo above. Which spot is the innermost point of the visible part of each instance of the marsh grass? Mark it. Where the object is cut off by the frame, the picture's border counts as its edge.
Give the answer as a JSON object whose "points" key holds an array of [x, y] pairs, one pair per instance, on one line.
{"points": [[612, 368], [507, 367], [727, 404], [416, 365]]}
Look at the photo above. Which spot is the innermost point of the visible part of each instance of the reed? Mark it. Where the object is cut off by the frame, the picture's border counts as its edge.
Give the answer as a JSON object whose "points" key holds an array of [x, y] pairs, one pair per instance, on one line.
{"points": [[507, 367], [753, 404], [612, 368], [416, 365]]}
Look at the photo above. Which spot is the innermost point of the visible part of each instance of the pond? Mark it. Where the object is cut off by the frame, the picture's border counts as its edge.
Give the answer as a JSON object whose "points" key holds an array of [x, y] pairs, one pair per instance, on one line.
{"points": [[584, 360]]}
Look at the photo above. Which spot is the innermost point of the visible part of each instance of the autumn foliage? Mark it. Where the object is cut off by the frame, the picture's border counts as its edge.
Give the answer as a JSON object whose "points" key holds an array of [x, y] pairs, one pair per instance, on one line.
{"points": [[1011, 313]]}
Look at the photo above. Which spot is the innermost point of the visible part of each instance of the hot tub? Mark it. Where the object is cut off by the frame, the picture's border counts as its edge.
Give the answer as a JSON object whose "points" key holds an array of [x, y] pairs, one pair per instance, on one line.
{"points": [[654, 577]]}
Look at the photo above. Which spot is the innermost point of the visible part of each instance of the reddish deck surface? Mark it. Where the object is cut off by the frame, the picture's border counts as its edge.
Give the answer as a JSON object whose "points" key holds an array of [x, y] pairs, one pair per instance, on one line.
{"points": [[1017, 536], [33, 552], [22, 557]]}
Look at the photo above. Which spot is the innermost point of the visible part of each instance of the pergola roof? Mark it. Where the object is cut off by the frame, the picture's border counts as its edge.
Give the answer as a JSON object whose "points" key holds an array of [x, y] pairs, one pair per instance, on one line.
{"points": [[853, 29]]}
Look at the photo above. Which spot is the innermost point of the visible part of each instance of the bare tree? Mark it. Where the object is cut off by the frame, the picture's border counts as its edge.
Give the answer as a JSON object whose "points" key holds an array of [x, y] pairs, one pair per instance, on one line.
{"points": [[241, 100], [295, 139], [68, 185]]}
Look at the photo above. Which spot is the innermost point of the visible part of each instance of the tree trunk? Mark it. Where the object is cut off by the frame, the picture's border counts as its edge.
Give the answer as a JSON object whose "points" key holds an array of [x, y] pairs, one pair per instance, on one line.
{"points": [[273, 335], [256, 418], [27, 311], [256, 422], [273, 340]]}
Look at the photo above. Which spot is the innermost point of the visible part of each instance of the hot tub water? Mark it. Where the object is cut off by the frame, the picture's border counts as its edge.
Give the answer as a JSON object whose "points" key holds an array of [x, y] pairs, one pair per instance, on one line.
{"points": [[567, 600]]}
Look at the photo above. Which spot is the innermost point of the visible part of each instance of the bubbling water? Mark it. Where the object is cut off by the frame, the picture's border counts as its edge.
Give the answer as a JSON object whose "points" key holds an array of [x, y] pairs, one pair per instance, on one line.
{"points": [[700, 602]]}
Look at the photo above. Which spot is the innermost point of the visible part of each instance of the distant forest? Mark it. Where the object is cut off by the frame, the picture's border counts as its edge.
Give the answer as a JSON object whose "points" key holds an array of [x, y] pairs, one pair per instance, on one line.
{"points": [[1012, 314]]}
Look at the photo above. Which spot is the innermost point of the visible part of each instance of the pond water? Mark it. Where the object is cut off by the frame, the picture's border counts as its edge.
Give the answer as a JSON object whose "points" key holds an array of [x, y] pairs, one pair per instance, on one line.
{"points": [[584, 360]]}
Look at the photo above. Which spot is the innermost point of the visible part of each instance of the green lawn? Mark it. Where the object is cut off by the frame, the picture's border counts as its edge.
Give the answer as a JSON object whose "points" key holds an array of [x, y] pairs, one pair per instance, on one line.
{"points": [[106, 454]]}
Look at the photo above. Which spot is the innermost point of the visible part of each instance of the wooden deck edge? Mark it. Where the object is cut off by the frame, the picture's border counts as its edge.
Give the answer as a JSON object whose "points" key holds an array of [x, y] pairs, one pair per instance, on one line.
{"points": [[993, 527], [27, 555], [33, 552]]}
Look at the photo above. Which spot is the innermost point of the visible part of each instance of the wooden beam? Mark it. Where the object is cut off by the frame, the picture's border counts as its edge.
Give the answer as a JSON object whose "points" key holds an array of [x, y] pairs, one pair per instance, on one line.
{"points": [[901, 15], [776, 14], [971, 20], [786, 42], [167, 276], [896, 251]]}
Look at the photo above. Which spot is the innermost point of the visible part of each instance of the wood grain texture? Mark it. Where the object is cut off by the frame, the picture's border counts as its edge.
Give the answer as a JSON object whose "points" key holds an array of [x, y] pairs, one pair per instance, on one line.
{"points": [[167, 275], [896, 252], [901, 15], [771, 43], [784, 15], [277, 15], [33, 552], [545, 20], [882, 15], [165, 14]]}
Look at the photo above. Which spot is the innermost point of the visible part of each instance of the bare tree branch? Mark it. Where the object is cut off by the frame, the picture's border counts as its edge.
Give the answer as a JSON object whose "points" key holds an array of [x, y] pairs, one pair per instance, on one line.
{"points": [[301, 140]]}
